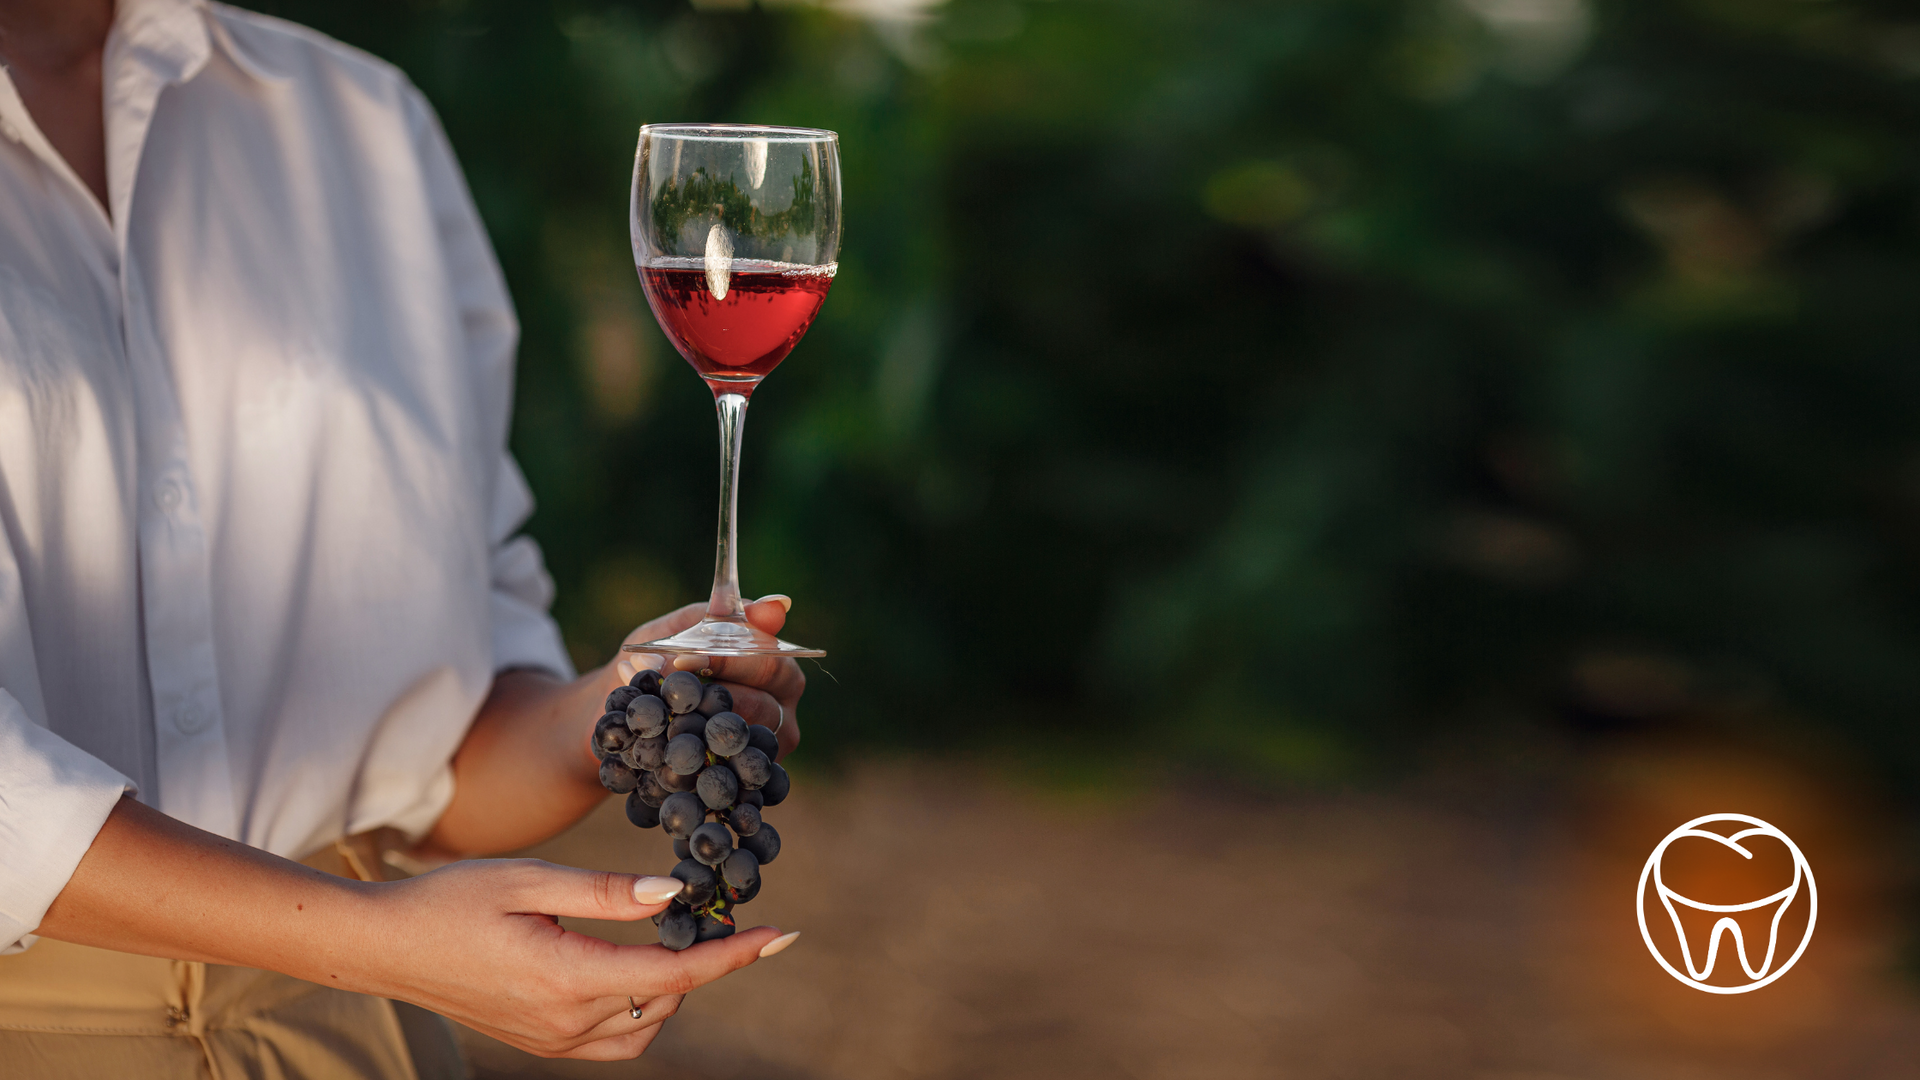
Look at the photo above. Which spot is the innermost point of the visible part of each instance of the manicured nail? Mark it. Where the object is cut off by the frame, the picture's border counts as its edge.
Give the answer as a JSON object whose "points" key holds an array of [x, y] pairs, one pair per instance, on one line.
{"points": [[779, 943], [785, 601], [625, 670], [656, 890]]}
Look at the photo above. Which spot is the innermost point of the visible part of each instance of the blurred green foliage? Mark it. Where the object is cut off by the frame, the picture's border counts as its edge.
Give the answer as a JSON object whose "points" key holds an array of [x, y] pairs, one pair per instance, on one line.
{"points": [[1321, 373]]}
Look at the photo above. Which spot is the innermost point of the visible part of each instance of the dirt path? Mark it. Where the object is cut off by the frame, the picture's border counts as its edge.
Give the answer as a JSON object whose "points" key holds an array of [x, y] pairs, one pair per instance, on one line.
{"points": [[1458, 931]]}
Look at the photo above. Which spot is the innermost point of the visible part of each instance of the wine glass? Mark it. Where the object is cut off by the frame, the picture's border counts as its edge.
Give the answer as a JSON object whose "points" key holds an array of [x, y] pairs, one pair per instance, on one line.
{"points": [[736, 233]]}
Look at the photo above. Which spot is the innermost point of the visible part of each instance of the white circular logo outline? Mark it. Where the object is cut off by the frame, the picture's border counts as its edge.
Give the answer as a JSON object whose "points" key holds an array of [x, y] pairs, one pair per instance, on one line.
{"points": [[1801, 869]]}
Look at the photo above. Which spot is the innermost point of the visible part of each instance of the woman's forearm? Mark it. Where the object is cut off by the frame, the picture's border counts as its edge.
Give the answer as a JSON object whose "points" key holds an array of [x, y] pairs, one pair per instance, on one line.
{"points": [[152, 885], [158, 887], [525, 770], [478, 941]]}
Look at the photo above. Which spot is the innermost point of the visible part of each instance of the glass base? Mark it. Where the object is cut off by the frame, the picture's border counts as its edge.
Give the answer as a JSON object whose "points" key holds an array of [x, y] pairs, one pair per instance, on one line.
{"points": [[722, 637]]}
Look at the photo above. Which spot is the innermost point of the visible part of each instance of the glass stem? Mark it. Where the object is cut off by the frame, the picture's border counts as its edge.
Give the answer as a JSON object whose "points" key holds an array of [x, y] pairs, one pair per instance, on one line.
{"points": [[725, 602]]}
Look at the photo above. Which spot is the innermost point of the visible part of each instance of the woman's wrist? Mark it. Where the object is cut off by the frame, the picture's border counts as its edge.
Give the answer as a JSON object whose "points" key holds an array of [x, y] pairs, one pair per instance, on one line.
{"points": [[335, 937], [526, 769], [377, 932]]}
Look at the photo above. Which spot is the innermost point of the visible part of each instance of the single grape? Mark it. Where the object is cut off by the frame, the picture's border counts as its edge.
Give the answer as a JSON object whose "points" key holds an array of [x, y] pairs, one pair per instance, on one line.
{"points": [[681, 814], [650, 791], [647, 681], [679, 929], [691, 724], [739, 896], [752, 767], [777, 785], [638, 756], [686, 754], [641, 813], [617, 701], [718, 785], [711, 843], [744, 818], [714, 925], [701, 883], [610, 735], [764, 740], [616, 777], [726, 734], [673, 781], [681, 850], [741, 870], [647, 716], [750, 797], [715, 699], [647, 753], [765, 844], [682, 691]]}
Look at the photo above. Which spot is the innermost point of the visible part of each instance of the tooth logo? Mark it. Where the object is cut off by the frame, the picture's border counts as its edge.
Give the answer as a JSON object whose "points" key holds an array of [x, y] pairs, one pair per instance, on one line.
{"points": [[1726, 929]]}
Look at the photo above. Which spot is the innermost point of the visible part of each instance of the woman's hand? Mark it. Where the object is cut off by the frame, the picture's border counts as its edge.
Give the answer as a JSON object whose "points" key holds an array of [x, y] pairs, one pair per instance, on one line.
{"points": [[478, 942], [526, 769], [766, 689]]}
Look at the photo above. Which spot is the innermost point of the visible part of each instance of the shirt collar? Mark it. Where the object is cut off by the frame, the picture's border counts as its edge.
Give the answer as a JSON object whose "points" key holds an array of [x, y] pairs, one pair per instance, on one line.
{"points": [[169, 38], [154, 44], [180, 37]]}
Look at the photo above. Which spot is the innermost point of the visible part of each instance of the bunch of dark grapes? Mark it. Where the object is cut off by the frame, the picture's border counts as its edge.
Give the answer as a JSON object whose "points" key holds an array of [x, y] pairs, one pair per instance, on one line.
{"points": [[690, 764]]}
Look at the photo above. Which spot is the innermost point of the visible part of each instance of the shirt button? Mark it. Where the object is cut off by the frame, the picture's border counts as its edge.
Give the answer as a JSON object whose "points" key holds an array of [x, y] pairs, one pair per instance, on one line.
{"points": [[169, 495], [192, 719]]}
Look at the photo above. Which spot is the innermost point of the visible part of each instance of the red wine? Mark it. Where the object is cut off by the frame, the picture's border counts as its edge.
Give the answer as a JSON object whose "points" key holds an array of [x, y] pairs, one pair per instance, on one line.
{"points": [[734, 325]]}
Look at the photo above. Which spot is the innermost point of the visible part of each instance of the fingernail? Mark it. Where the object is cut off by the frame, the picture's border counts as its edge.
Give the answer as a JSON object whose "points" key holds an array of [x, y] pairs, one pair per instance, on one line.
{"points": [[625, 670], [785, 601], [779, 943], [656, 890]]}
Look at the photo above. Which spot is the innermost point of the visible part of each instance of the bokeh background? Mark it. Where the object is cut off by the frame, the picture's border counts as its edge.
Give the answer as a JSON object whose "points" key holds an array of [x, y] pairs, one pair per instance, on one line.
{"points": [[1300, 496]]}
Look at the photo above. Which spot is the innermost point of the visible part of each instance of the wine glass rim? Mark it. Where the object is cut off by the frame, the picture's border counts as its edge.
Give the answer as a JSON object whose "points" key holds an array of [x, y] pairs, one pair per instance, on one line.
{"points": [[724, 132]]}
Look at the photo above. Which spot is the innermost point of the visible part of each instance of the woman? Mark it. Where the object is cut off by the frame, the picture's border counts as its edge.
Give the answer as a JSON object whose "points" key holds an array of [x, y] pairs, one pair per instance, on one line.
{"points": [[261, 597]]}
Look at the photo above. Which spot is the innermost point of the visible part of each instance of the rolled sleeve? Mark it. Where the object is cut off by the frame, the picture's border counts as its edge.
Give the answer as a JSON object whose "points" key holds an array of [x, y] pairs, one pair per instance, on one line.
{"points": [[54, 797], [524, 635]]}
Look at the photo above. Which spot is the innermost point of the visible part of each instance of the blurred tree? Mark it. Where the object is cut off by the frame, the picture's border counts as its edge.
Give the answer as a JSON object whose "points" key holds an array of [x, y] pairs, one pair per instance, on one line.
{"points": [[1390, 361]]}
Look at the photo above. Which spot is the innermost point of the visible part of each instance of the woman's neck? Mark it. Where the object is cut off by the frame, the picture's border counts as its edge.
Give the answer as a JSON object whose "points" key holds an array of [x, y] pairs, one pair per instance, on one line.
{"points": [[52, 50]]}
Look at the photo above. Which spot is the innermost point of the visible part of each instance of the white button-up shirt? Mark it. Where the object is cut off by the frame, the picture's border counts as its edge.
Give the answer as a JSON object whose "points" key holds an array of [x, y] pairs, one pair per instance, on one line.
{"points": [[257, 515]]}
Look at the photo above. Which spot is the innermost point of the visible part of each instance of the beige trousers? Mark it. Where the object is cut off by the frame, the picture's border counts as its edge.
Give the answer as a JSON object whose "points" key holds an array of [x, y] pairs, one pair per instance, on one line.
{"points": [[69, 1012]]}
